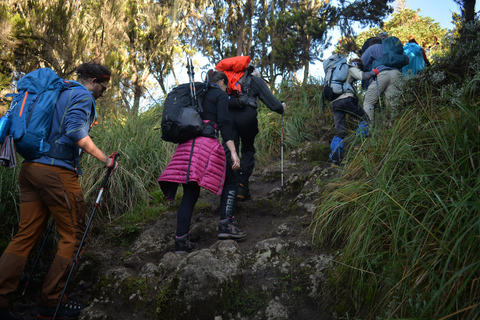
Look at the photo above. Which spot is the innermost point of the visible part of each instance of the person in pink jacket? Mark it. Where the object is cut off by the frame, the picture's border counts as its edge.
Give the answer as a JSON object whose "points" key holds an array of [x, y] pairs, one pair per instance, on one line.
{"points": [[201, 162]]}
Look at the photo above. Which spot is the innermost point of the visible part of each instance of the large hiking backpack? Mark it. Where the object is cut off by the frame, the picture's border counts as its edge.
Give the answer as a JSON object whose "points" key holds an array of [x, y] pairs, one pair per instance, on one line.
{"points": [[234, 68], [245, 97], [31, 111], [181, 115], [415, 55], [336, 73], [393, 56]]}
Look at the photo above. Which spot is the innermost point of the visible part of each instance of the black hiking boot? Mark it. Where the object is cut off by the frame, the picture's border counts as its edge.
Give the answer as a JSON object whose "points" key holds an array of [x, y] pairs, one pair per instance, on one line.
{"points": [[243, 193], [228, 230], [6, 314], [183, 244], [69, 310]]}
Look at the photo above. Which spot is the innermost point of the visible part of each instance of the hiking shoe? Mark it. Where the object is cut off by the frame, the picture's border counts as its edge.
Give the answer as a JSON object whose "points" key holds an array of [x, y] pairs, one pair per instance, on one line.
{"points": [[228, 230], [6, 314], [243, 193], [69, 310], [183, 244]]}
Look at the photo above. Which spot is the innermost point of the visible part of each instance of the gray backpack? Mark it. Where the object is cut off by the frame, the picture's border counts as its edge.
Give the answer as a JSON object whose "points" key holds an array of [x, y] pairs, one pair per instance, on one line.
{"points": [[336, 73]]}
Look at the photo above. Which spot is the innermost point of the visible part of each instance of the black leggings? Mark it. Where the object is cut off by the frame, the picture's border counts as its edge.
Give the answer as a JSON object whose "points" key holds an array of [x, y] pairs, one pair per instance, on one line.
{"points": [[245, 128], [340, 110], [191, 192]]}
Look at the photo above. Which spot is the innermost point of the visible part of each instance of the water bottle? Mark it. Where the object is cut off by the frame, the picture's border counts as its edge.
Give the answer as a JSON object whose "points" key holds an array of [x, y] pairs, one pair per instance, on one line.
{"points": [[4, 127]]}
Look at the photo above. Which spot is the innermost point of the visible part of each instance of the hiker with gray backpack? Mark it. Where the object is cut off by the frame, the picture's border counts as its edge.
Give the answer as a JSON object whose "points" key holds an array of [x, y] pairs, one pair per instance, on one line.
{"points": [[388, 58], [339, 89], [48, 178]]}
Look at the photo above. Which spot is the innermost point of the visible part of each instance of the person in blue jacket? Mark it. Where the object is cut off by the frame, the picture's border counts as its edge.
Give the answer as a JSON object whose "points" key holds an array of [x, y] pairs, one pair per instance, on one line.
{"points": [[49, 186]]}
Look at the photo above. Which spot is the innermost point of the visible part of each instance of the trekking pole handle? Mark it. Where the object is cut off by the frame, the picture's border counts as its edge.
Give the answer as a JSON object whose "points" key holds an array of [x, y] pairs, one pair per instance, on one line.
{"points": [[107, 175]]}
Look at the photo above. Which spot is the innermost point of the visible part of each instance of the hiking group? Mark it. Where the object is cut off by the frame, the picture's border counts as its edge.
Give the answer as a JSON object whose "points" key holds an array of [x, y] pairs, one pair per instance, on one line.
{"points": [[50, 118], [383, 61]]}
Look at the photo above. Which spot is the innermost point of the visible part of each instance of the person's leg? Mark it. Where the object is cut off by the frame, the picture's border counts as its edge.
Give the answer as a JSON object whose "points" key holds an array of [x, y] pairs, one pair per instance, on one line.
{"points": [[391, 89], [247, 125], [356, 111], [339, 109], [226, 226], [33, 217], [229, 191], [370, 99], [353, 109], [191, 192], [61, 192]]}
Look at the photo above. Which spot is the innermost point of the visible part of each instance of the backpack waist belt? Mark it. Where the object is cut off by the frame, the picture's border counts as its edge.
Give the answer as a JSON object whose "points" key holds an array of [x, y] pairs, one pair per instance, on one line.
{"points": [[209, 130], [61, 151]]}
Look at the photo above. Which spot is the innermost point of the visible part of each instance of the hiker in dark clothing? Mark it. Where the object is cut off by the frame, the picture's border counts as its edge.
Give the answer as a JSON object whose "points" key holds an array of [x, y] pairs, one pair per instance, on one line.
{"points": [[49, 186], [347, 104], [243, 117], [201, 162]]}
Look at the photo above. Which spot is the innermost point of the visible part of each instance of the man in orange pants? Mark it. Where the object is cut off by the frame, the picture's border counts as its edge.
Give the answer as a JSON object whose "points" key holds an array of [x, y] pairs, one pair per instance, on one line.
{"points": [[49, 185]]}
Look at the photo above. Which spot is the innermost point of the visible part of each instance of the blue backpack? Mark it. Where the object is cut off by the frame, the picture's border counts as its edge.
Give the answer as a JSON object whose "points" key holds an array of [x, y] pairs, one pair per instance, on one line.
{"points": [[31, 111], [414, 53], [393, 56]]}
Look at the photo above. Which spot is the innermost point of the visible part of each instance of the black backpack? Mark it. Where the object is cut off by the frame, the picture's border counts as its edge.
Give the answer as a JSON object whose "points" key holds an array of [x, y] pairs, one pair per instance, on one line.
{"points": [[181, 113]]}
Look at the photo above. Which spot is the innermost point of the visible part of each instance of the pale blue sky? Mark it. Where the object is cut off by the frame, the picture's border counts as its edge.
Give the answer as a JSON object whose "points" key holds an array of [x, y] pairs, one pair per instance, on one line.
{"points": [[439, 10]]}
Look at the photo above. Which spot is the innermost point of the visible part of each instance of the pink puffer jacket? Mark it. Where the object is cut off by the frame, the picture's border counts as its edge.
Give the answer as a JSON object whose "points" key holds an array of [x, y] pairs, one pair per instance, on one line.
{"points": [[207, 167]]}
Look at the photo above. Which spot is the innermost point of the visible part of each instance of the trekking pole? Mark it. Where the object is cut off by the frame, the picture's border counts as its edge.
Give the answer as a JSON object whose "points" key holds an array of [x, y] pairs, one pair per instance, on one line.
{"points": [[38, 257], [191, 80], [104, 184], [193, 83], [281, 150]]}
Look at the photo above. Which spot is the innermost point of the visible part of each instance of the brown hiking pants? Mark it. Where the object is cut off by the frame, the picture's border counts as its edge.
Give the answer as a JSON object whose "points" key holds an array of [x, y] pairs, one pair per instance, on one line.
{"points": [[44, 190]]}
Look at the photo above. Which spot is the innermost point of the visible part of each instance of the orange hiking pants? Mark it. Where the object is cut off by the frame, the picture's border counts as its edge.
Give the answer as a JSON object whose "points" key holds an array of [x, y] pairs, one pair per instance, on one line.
{"points": [[44, 190]]}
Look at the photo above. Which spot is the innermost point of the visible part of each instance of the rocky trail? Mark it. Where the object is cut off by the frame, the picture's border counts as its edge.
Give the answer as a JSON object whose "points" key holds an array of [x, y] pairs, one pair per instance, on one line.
{"points": [[274, 274]]}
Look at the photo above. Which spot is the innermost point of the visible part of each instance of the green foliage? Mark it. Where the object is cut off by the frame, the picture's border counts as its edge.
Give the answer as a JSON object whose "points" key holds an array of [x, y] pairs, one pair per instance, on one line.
{"points": [[405, 214]]}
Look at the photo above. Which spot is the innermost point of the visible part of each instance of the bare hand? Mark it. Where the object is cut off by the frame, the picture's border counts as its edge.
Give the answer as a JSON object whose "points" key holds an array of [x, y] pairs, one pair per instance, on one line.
{"points": [[235, 161]]}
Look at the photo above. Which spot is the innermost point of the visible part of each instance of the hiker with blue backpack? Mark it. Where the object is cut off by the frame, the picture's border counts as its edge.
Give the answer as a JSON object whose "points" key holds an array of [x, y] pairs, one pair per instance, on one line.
{"points": [[417, 58], [388, 58], [339, 89], [49, 182]]}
